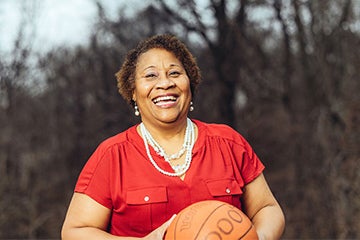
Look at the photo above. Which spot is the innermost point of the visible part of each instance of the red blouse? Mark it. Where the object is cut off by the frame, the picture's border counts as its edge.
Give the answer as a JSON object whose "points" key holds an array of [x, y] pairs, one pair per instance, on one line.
{"points": [[120, 176]]}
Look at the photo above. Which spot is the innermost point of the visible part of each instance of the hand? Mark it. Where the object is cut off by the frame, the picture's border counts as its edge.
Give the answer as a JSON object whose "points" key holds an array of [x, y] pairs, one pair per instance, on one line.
{"points": [[159, 233]]}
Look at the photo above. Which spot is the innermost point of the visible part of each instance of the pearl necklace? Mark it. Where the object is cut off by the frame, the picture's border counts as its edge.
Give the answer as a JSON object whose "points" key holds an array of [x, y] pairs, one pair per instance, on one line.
{"points": [[189, 141], [161, 152]]}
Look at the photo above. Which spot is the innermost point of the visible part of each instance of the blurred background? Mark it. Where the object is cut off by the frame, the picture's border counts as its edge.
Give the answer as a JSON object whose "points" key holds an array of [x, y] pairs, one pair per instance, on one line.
{"points": [[284, 73]]}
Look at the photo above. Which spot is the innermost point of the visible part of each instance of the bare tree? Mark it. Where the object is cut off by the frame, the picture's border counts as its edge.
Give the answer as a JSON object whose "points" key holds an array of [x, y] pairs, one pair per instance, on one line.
{"points": [[289, 83], [309, 73]]}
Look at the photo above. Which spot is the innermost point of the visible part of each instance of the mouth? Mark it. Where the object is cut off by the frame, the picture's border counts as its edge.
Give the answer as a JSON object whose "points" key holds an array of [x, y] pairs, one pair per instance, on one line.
{"points": [[165, 100]]}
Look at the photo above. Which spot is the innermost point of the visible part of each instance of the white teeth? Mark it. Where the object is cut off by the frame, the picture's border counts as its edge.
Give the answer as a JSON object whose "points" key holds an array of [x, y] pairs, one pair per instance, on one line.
{"points": [[165, 98]]}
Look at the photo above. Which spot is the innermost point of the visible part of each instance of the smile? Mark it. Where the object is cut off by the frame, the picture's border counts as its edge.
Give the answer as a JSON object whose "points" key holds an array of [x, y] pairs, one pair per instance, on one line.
{"points": [[164, 99]]}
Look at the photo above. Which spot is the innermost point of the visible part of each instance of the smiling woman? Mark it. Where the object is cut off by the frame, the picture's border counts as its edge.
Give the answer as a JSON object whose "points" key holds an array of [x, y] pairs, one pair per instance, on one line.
{"points": [[162, 87], [137, 180]]}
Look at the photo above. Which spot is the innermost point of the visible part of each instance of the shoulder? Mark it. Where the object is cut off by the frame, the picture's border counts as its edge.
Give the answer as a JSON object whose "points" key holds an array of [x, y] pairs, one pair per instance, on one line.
{"points": [[221, 131], [107, 152], [117, 141]]}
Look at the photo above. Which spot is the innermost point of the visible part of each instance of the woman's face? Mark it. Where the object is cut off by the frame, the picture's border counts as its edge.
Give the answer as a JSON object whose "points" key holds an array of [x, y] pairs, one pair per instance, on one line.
{"points": [[162, 87]]}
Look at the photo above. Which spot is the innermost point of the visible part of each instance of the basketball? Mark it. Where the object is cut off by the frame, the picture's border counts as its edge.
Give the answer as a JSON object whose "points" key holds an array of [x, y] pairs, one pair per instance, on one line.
{"points": [[211, 220]]}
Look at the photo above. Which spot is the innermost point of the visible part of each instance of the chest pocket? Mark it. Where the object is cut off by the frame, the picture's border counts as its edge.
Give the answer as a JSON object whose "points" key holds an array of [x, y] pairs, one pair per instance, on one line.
{"points": [[146, 208], [227, 190], [146, 196]]}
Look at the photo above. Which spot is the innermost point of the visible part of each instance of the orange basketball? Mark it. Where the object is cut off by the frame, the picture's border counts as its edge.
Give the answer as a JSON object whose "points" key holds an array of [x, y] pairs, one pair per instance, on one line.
{"points": [[211, 220]]}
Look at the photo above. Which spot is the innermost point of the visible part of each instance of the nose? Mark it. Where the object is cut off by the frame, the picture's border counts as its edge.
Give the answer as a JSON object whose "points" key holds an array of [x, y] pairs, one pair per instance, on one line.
{"points": [[165, 82]]}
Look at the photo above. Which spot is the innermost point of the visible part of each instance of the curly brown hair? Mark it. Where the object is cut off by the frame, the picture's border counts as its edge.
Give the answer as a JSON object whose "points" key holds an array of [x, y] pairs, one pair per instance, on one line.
{"points": [[126, 75]]}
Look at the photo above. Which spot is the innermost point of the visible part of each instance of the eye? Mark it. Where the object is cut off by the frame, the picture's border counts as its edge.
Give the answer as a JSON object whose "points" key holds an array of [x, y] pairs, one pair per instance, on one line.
{"points": [[174, 73], [150, 75]]}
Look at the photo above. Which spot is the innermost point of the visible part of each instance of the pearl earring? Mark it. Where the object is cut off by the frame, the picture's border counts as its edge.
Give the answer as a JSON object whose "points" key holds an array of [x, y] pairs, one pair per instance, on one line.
{"points": [[137, 113], [191, 107]]}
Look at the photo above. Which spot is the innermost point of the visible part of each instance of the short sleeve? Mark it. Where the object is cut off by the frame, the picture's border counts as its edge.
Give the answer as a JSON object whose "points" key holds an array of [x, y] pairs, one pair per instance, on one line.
{"points": [[252, 167], [94, 178]]}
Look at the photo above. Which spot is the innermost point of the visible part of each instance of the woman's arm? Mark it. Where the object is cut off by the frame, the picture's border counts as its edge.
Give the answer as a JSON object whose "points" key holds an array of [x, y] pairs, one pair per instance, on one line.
{"points": [[88, 219], [263, 209]]}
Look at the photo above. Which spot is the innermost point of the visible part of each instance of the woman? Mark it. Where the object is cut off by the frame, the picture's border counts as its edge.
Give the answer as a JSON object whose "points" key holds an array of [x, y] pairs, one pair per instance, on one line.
{"points": [[136, 181]]}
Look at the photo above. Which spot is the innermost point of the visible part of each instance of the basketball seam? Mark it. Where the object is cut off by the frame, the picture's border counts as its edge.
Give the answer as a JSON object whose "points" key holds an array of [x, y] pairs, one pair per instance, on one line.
{"points": [[176, 225], [251, 226], [202, 225]]}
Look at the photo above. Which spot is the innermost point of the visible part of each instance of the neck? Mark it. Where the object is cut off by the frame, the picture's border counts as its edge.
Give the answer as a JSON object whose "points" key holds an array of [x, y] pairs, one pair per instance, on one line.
{"points": [[188, 144], [167, 131], [170, 140]]}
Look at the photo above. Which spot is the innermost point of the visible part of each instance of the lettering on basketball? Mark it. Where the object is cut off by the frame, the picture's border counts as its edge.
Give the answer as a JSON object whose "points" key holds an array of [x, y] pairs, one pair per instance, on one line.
{"points": [[225, 226], [213, 236], [187, 219], [235, 216]]}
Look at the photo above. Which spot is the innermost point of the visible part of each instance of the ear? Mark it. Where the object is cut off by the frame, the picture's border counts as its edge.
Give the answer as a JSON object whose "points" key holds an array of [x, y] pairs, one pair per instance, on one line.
{"points": [[134, 97]]}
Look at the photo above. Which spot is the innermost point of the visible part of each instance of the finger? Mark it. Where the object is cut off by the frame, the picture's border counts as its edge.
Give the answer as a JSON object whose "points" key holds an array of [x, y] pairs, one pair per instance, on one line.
{"points": [[168, 222], [166, 225]]}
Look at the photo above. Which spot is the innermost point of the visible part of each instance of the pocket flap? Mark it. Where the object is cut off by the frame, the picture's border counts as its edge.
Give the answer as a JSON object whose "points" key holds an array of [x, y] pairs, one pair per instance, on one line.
{"points": [[223, 187], [146, 195]]}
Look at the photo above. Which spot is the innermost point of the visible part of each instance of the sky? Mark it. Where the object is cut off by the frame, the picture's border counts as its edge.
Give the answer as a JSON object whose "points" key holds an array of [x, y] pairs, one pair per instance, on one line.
{"points": [[56, 21], [62, 21]]}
